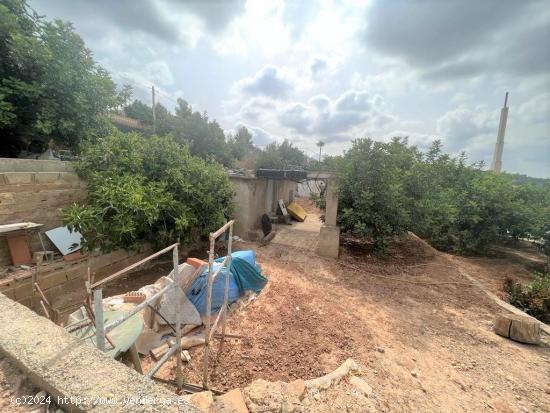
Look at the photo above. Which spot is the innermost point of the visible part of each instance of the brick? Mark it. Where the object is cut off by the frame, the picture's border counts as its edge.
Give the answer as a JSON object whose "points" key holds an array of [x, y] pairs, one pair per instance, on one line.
{"points": [[195, 262]]}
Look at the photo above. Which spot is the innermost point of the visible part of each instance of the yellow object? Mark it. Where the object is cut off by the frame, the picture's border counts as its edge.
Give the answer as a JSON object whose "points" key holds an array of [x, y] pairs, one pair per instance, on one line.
{"points": [[296, 211]]}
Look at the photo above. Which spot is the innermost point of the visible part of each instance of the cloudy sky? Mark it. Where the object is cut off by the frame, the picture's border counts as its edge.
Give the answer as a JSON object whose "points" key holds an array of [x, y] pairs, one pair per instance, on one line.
{"points": [[338, 70]]}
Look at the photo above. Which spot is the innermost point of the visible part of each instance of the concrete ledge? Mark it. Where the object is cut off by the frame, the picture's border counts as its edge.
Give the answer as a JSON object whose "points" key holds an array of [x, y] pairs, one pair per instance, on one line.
{"points": [[26, 178], [64, 367], [15, 178], [34, 165]]}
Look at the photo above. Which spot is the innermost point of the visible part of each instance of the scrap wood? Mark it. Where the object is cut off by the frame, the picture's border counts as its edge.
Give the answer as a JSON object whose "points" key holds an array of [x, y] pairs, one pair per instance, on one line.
{"points": [[159, 351]]}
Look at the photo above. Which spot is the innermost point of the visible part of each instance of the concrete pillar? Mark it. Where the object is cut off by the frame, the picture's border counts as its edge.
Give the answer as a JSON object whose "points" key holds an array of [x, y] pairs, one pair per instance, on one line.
{"points": [[331, 208], [329, 241], [269, 197]]}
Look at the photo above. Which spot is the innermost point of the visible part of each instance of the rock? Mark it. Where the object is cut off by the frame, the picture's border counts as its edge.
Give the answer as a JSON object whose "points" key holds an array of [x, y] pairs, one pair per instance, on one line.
{"points": [[380, 349], [41, 395], [202, 400], [231, 402], [414, 373], [185, 356], [264, 396], [361, 385], [500, 406], [516, 327], [298, 388]]}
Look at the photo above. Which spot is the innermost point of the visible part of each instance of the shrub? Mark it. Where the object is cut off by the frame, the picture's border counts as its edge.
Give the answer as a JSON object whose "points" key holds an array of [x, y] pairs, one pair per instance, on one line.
{"points": [[147, 189], [533, 298], [389, 188]]}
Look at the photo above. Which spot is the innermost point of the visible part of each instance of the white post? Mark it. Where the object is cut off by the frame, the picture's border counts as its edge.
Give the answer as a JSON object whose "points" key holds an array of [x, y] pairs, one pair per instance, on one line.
{"points": [[226, 292], [98, 313], [208, 310], [496, 165], [176, 284]]}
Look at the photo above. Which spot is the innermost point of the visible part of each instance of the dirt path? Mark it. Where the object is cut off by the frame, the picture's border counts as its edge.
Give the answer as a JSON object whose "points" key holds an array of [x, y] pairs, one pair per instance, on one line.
{"points": [[428, 347]]}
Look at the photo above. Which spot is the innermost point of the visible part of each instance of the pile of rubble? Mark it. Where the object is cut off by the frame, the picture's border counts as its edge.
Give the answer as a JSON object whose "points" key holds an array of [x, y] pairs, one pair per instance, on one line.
{"points": [[343, 389]]}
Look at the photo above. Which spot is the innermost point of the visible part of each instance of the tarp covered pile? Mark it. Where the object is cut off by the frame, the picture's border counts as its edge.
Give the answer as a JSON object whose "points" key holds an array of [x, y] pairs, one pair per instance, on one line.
{"points": [[244, 276]]}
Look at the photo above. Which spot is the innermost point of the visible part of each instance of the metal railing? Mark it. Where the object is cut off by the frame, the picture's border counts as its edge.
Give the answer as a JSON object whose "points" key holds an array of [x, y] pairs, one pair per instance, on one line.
{"points": [[222, 315], [102, 329]]}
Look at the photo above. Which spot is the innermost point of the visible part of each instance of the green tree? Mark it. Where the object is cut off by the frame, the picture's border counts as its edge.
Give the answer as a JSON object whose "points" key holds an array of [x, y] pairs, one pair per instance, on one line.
{"points": [[281, 156], [389, 188], [204, 137], [50, 86], [147, 189], [241, 144]]}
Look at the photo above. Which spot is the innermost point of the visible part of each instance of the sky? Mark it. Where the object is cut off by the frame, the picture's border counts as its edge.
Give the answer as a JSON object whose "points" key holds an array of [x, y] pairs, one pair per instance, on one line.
{"points": [[338, 70]]}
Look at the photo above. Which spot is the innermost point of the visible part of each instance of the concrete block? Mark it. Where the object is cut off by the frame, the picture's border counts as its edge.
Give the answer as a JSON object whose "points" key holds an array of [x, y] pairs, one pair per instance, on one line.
{"points": [[46, 177], [329, 241], [70, 177], [16, 178], [518, 328]]}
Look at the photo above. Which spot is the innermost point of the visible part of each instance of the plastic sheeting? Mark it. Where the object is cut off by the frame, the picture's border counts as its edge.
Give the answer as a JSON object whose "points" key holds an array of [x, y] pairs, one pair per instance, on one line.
{"points": [[245, 275]]}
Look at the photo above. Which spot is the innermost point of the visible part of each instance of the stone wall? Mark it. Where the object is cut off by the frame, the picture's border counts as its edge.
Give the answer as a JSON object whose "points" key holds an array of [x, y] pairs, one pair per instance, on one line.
{"points": [[36, 191]]}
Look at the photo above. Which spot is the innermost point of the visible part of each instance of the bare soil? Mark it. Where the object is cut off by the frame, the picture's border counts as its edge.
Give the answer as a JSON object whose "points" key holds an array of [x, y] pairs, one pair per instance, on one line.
{"points": [[421, 329]]}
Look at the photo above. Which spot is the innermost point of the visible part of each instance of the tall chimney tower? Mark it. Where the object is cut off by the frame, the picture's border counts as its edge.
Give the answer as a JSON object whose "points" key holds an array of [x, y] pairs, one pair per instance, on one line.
{"points": [[496, 165]]}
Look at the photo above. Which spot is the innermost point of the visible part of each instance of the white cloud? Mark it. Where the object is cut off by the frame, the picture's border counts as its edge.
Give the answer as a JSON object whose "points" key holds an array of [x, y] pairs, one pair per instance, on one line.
{"points": [[464, 127], [270, 81]]}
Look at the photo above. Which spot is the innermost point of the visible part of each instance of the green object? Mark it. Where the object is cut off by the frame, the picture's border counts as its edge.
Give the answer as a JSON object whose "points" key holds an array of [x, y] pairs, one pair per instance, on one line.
{"points": [[248, 277], [123, 336]]}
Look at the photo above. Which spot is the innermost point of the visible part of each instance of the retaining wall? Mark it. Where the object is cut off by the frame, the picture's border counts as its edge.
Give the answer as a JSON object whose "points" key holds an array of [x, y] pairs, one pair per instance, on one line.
{"points": [[67, 368], [36, 191]]}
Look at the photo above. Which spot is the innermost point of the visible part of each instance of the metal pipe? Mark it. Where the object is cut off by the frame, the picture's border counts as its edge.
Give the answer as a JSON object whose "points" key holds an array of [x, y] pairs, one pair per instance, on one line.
{"points": [[208, 310], [221, 230], [99, 328], [163, 360], [179, 372], [131, 267], [226, 292]]}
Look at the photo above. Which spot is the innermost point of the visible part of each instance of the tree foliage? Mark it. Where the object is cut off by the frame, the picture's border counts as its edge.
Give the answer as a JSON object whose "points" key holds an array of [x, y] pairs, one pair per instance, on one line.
{"points": [[50, 86], [389, 188], [204, 137], [281, 156], [147, 189]]}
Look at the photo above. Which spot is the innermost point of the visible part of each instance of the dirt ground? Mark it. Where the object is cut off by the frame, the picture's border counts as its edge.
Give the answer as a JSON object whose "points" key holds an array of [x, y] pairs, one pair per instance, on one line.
{"points": [[423, 332]]}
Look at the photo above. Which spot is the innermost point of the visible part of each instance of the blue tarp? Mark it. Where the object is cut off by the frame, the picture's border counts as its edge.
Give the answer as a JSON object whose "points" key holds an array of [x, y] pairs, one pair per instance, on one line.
{"points": [[245, 275]]}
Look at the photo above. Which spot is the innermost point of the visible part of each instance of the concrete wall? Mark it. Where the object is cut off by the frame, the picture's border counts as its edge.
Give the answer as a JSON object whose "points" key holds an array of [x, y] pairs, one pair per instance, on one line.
{"points": [[36, 191], [33, 165], [255, 197]]}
